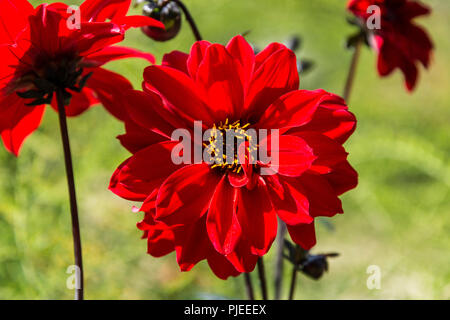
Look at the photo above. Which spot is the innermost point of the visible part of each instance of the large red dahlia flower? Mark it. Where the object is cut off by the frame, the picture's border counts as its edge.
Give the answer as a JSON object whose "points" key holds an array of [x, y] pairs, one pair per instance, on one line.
{"points": [[400, 43], [40, 50], [227, 214]]}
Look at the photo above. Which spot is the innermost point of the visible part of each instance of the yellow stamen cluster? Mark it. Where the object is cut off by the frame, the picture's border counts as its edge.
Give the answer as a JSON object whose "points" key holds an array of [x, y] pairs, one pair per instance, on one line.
{"points": [[218, 153]]}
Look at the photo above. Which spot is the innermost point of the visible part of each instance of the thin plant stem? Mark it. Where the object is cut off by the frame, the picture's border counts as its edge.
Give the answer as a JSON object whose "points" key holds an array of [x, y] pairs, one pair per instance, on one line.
{"points": [[294, 273], [352, 70], [189, 18], [249, 286], [262, 278], [279, 262], [79, 290]]}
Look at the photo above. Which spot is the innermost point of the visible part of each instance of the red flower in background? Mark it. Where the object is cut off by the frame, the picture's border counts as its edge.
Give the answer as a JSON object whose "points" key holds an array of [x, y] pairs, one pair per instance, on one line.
{"points": [[400, 43], [39, 52], [228, 214]]}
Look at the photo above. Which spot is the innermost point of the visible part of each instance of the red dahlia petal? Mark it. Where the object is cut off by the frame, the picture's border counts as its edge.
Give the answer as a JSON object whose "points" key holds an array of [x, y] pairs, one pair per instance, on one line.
{"points": [[185, 196], [139, 175], [196, 55], [177, 60], [241, 50], [277, 76], [221, 267], [257, 218], [294, 156], [303, 234], [219, 78], [222, 223], [181, 92], [17, 121]]}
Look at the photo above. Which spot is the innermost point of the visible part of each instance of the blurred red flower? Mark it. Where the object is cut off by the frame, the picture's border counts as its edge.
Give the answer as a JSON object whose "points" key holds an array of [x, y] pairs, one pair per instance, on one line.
{"points": [[40, 51], [400, 43], [228, 214]]}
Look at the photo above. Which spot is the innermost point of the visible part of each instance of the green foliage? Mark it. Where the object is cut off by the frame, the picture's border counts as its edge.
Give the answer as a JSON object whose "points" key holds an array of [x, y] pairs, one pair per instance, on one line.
{"points": [[397, 218]]}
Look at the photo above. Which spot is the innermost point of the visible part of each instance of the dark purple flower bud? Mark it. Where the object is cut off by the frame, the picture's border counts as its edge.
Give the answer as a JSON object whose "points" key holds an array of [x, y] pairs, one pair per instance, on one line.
{"points": [[168, 13]]}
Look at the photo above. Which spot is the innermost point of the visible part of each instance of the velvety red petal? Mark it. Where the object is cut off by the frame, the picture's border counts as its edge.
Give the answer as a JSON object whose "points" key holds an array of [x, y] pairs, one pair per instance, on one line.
{"points": [[177, 60], [323, 199], [221, 267], [219, 78], [241, 50], [143, 109], [196, 55], [332, 119], [303, 234], [192, 244], [267, 52], [277, 76], [327, 151], [180, 91], [115, 53], [257, 218], [137, 138], [222, 222], [185, 196], [289, 200], [146, 170], [107, 85], [293, 109], [294, 156], [342, 177], [242, 258]]}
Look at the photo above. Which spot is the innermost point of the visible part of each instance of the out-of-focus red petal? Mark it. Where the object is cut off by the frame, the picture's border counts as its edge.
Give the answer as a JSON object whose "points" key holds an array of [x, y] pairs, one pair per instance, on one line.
{"points": [[17, 121], [13, 19]]}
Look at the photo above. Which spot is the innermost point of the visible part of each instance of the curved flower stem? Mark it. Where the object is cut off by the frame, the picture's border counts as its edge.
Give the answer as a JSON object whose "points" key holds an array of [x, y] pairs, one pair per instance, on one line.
{"points": [[79, 291], [189, 18], [352, 70], [262, 278], [294, 273], [249, 286], [279, 260]]}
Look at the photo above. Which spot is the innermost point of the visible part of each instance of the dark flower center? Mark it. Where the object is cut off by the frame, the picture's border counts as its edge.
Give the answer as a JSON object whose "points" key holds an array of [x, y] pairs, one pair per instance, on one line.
{"points": [[51, 74]]}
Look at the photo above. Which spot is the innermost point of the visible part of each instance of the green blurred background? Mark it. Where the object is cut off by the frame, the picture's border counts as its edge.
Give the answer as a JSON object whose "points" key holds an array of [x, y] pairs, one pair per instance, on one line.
{"points": [[397, 218]]}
